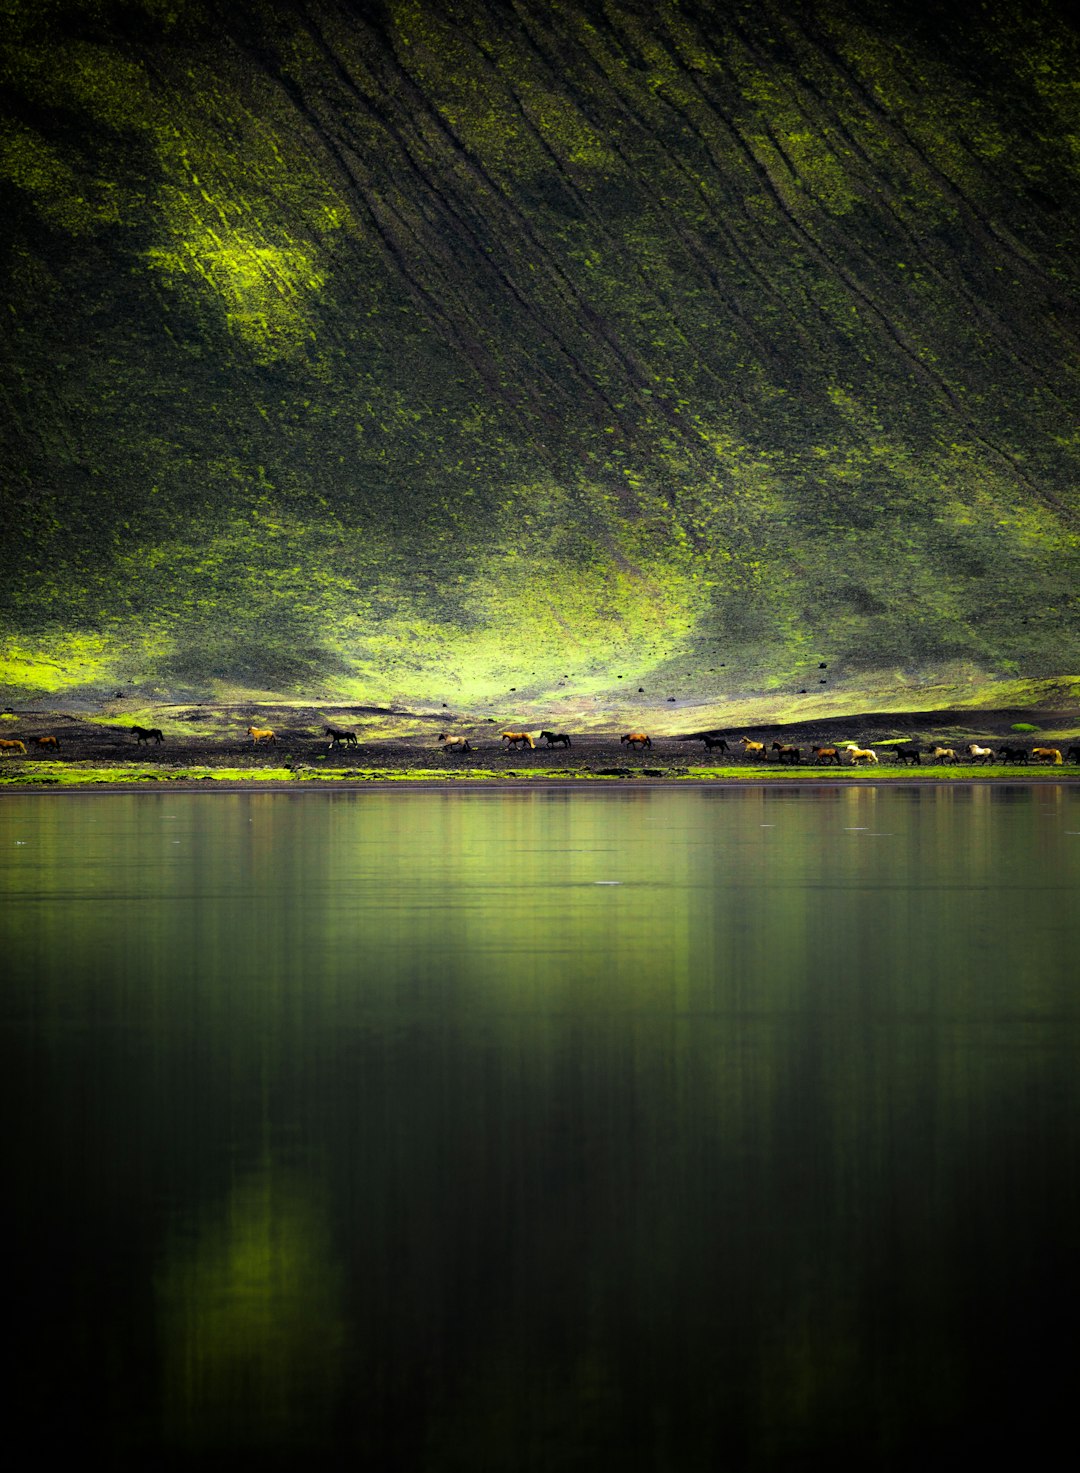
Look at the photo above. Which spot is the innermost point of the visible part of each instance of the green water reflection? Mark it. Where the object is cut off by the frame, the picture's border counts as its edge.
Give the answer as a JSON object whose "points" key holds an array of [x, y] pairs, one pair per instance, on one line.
{"points": [[659, 1129]]}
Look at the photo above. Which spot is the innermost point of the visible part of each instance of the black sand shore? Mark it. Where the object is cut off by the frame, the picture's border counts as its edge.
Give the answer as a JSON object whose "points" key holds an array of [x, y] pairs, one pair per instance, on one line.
{"points": [[208, 748]]}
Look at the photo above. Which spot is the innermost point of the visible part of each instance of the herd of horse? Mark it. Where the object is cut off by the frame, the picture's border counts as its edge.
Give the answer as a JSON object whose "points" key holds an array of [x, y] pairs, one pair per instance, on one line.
{"points": [[838, 754], [911, 754]]}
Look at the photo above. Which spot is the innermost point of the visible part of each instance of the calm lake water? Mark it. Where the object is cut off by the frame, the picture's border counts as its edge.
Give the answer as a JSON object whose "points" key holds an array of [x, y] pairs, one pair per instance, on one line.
{"points": [[645, 1130]]}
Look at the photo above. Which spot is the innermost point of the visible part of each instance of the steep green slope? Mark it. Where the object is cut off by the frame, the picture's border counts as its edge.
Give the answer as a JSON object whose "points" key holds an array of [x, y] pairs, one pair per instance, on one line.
{"points": [[415, 351]]}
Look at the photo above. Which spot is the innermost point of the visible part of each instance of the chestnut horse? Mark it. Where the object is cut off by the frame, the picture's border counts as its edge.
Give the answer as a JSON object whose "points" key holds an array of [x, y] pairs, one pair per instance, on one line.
{"points": [[517, 739], [50, 742], [1046, 754], [826, 754], [8, 747], [785, 752], [636, 739], [261, 734]]}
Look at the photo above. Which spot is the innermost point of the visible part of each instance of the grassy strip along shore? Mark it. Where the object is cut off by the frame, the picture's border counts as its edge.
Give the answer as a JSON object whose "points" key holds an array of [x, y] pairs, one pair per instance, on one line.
{"points": [[45, 774]]}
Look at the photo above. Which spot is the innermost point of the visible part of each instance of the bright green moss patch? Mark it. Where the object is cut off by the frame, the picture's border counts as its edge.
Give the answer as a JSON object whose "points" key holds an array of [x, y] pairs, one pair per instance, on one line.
{"points": [[43, 667]]}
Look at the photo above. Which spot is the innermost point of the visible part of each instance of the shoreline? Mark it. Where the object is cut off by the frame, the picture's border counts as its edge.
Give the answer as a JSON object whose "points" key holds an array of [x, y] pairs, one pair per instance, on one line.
{"points": [[198, 748], [173, 786]]}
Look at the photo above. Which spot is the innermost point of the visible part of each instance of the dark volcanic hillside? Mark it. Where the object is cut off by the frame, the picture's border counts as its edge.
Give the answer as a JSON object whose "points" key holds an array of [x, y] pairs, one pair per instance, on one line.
{"points": [[417, 351]]}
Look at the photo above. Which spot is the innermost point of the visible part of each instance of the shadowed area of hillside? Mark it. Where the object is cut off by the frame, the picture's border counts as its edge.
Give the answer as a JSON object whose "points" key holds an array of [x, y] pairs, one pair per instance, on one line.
{"points": [[419, 352]]}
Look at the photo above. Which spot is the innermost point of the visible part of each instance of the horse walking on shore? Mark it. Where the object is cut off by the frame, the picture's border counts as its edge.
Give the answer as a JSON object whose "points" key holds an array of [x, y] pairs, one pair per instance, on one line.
{"points": [[826, 754], [9, 746], [1046, 754], [339, 738], [455, 743], [517, 739], [786, 752], [47, 743], [636, 739], [754, 749], [862, 754]]}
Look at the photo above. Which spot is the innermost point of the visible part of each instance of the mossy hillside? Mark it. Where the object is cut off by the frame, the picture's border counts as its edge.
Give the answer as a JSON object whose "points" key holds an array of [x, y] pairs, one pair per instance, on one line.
{"points": [[405, 355]]}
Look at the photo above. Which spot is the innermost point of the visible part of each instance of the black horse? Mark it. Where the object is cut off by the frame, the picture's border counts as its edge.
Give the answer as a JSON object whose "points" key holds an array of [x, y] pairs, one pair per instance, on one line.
{"points": [[337, 737], [148, 733], [715, 744], [1013, 754], [556, 738], [1073, 754], [786, 752], [909, 754]]}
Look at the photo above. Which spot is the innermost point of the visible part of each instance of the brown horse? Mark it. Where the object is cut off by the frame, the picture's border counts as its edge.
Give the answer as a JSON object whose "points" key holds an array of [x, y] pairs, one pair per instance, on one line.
{"points": [[49, 742], [785, 752], [636, 739], [261, 734], [1046, 754], [826, 754], [8, 747], [455, 743], [754, 749], [517, 739]]}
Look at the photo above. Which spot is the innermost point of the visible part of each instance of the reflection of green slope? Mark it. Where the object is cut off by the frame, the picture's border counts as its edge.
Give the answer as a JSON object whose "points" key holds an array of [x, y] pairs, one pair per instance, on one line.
{"points": [[353, 354], [251, 1325]]}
